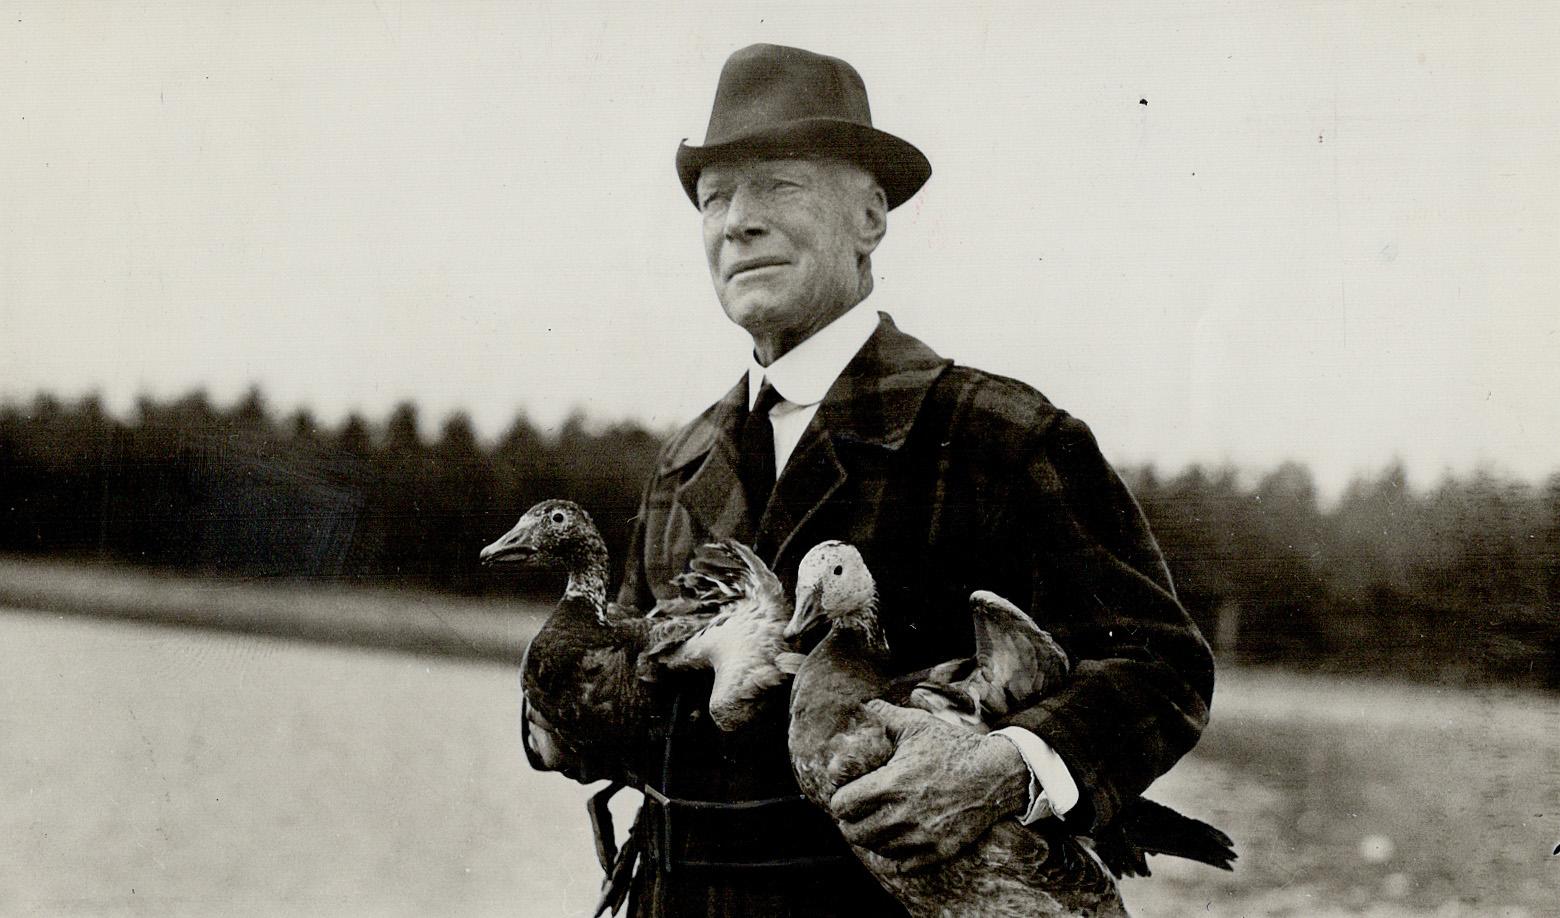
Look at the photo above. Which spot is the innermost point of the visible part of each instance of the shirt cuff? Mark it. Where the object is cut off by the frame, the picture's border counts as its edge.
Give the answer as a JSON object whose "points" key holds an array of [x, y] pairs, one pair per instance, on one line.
{"points": [[1052, 790]]}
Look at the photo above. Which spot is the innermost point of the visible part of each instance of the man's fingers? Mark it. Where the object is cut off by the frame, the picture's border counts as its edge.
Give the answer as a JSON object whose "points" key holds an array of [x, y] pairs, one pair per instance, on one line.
{"points": [[883, 831], [895, 720], [906, 850], [918, 858], [860, 798], [872, 835]]}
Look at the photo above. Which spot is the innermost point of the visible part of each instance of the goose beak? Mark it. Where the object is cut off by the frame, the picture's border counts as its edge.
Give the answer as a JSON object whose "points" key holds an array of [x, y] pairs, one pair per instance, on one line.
{"points": [[512, 547], [809, 609]]}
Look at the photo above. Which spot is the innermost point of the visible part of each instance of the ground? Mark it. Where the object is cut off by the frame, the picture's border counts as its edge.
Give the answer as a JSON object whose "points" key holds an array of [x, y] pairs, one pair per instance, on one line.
{"points": [[170, 771]]}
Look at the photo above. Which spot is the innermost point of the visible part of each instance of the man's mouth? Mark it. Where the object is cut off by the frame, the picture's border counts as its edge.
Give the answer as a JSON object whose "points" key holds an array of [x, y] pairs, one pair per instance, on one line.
{"points": [[752, 264]]}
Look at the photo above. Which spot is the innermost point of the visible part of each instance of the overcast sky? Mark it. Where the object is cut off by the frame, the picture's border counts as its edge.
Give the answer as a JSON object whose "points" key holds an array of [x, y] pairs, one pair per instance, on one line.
{"points": [[1331, 234]]}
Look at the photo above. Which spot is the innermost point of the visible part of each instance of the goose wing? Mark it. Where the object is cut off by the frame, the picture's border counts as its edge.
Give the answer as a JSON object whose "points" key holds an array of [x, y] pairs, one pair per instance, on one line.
{"points": [[665, 640], [942, 691], [723, 571], [1015, 661], [744, 642]]}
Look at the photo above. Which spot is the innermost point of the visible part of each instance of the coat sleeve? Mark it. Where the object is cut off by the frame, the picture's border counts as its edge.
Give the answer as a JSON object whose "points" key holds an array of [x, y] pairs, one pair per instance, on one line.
{"points": [[1142, 679], [634, 591]]}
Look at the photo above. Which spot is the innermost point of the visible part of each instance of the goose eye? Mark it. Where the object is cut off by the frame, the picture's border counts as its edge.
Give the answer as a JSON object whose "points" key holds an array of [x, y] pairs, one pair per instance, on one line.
{"points": [[839, 569], [557, 516]]}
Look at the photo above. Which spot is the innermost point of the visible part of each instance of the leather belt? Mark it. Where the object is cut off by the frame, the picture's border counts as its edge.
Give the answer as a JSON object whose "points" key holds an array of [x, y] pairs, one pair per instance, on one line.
{"points": [[777, 833], [768, 834]]}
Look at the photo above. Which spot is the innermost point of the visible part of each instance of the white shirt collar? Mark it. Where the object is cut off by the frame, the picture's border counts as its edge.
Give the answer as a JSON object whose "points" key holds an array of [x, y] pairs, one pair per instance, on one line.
{"points": [[804, 374]]}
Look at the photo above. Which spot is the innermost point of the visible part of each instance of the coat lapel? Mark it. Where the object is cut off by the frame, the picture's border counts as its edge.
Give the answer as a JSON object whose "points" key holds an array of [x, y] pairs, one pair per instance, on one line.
{"points": [[871, 407], [713, 494], [812, 476]]}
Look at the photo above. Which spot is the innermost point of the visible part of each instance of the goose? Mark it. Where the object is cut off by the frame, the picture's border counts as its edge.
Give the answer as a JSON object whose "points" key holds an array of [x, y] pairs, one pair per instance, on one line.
{"points": [[587, 673], [834, 738], [580, 674]]}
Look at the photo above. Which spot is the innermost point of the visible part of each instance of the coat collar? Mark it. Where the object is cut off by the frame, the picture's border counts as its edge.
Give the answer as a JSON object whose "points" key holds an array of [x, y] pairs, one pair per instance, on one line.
{"points": [[877, 397], [874, 403], [875, 400]]}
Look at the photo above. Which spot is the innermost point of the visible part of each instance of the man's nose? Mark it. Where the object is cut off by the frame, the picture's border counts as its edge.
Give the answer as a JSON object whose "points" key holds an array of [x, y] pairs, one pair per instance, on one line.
{"points": [[745, 216]]}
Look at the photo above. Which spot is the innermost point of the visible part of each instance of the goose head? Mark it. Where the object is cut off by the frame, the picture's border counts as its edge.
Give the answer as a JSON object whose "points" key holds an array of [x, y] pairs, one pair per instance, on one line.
{"points": [[554, 532], [833, 585]]}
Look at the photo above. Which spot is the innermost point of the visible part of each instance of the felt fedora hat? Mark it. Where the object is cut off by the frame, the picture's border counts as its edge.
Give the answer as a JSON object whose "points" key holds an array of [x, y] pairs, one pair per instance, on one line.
{"points": [[774, 101]]}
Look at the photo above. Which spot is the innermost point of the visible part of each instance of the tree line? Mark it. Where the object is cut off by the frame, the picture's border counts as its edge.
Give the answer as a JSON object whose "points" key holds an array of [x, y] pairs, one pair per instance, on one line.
{"points": [[1456, 583]]}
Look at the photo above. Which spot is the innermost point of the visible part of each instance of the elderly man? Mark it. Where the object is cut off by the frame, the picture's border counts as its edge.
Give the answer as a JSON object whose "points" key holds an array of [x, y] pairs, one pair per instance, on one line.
{"points": [[946, 478]]}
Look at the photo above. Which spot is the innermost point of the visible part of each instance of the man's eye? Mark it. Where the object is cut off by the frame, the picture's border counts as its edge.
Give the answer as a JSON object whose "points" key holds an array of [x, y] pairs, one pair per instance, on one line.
{"points": [[711, 201]]}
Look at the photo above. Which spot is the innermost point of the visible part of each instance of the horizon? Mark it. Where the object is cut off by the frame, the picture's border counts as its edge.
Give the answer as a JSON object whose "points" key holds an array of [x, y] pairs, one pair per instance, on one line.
{"points": [[1219, 235]]}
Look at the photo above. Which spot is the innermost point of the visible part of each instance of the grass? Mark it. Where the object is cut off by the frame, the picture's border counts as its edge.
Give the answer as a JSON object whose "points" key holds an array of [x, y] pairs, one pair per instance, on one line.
{"points": [[331, 613], [175, 771]]}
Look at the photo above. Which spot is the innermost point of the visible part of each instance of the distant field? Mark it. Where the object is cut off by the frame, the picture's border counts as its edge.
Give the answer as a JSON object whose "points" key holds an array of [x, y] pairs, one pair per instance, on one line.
{"points": [[1369, 798], [171, 771]]}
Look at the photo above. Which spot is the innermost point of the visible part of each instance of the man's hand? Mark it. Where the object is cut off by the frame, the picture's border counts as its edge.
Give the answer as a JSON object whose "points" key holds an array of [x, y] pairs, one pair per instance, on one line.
{"points": [[941, 790]]}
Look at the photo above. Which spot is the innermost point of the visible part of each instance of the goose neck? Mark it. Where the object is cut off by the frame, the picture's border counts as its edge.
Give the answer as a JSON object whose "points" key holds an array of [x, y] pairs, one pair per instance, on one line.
{"points": [[588, 574]]}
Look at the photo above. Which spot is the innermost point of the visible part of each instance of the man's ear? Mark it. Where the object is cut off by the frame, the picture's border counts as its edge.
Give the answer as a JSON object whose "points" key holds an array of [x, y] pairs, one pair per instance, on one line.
{"points": [[871, 219]]}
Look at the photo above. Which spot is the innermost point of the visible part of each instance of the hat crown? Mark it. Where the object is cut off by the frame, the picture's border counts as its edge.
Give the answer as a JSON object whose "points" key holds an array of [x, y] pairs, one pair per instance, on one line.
{"points": [[774, 84], [774, 101]]}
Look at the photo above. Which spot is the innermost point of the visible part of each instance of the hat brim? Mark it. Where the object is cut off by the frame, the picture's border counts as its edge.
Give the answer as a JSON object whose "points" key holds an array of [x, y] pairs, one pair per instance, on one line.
{"points": [[898, 166]]}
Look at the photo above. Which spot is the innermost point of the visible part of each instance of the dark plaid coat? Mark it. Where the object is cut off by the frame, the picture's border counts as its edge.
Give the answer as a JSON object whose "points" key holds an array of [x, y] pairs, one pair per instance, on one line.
{"points": [[948, 480]]}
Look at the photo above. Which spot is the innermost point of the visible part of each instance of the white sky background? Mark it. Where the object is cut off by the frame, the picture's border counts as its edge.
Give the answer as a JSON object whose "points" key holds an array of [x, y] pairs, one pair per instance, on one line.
{"points": [[1333, 234]]}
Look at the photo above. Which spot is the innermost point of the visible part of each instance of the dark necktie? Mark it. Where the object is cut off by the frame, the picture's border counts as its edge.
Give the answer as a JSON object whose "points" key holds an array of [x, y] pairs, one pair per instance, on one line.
{"points": [[757, 445]]}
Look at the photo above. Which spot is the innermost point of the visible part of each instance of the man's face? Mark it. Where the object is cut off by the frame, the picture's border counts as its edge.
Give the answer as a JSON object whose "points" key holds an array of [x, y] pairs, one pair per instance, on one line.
{"points": [[784, 239]]}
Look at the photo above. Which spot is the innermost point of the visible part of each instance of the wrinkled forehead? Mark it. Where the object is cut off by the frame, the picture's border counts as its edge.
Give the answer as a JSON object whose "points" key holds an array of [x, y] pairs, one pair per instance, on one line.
{"points": [[733, 171]]}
